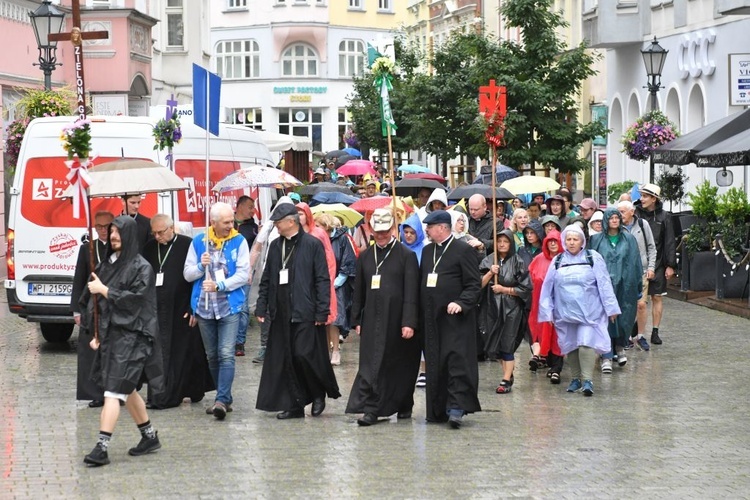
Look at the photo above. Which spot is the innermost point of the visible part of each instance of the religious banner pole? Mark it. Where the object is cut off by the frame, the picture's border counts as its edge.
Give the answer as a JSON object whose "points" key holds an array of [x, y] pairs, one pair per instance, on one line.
{"points": [[393, 178], [76, 37], [493, 107]]}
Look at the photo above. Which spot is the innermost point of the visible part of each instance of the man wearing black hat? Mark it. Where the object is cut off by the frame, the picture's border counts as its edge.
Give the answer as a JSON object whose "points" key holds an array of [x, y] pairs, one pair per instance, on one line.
{"points": [[295, 296], [649, 208], [450, 285]]}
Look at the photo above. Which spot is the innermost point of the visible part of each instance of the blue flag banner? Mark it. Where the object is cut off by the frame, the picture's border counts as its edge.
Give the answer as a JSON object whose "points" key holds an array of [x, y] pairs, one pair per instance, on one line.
{"points": [[206, 83]]}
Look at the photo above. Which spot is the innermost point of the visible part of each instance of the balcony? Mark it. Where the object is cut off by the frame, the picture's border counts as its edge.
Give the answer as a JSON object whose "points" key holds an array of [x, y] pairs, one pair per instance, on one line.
{"points": [[728, 7], [611, 23]]}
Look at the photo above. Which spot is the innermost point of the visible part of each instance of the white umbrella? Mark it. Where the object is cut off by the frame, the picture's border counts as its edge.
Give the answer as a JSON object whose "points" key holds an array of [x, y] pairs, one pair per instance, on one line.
{"points": [[530, 184], [256, 176], [128, 176]]}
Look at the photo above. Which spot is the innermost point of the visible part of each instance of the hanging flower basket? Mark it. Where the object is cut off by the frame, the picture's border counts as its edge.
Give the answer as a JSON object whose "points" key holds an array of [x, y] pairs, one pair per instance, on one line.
{"points": [[350, 138], [167, 133], [76, 139], [648, 133]]}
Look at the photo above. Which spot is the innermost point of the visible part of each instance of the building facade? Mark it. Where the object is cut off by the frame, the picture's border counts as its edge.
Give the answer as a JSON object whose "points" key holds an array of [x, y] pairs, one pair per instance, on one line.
{"points": [[287, 65]]}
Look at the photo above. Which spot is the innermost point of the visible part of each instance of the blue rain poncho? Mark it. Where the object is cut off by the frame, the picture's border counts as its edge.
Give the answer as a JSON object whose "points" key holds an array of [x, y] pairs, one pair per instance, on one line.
{"points": [[577, 296], [416, 247]]}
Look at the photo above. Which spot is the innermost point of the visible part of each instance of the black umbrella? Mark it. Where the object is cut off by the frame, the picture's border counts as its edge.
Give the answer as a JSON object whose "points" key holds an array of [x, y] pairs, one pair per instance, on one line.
{"points": [[332, 155], [502, 174], [732, 151], [485, 190], [683, 150], [411, 187], [323, 187], [343, 159]]}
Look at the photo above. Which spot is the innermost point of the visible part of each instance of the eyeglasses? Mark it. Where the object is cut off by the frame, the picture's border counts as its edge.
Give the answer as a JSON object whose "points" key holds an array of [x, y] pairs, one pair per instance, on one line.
{"points": [[160, 233], [101, 226]]}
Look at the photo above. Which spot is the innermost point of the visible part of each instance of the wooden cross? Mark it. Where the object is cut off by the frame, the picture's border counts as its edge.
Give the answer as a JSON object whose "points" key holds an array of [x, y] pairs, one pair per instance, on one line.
{"points": [[492, 99], [76, 37]]}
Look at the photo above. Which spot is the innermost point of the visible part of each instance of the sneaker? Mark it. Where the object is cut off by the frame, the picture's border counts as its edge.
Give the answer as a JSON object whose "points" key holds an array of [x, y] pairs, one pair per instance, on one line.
{"points": [[97, 457], [422, 380], [145, 445], [455, 418], [630, 345], [239, 350], [220, 410], [210, 409], [643, 344], [261, 355], [575, 385], [606, 365], [336, 358], [588, 388], [505, 387], [655, 338], [621, 357]]}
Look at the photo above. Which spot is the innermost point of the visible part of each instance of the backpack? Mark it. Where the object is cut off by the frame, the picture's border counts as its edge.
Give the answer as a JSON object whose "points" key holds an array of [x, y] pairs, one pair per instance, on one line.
{"points": [[589, 260]]}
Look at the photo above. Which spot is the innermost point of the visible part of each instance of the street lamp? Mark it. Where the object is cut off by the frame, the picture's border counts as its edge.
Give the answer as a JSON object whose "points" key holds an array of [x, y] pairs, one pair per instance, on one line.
{"points": [[654, 57], [46, 19]]}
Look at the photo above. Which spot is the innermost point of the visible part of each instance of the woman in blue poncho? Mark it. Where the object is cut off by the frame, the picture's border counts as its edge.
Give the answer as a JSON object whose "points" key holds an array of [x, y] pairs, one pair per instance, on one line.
{"points": [[412, 235]]}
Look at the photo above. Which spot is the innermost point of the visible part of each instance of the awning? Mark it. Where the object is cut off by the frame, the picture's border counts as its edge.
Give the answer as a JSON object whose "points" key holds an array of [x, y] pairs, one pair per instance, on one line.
{"points": [[282, 142], [732, 151], [683, 150]]}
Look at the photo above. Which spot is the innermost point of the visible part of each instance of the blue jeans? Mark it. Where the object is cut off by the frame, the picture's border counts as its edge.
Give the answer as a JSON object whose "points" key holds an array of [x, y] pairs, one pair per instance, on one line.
{"points": [[219, 336], [244, 318]]}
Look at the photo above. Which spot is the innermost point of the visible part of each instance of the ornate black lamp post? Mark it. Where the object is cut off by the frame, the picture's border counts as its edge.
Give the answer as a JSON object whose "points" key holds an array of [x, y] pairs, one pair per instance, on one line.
{"points": [[653, 58], [47, 20]]}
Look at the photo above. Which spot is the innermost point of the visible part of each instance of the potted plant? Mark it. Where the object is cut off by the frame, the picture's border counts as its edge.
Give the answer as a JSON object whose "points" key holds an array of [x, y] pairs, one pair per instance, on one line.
{"points": [[730, 245], [696, 254]]}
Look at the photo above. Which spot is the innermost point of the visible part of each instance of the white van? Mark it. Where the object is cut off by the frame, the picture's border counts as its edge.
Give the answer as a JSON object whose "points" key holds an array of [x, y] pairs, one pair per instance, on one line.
{"points": [[43, 237]]}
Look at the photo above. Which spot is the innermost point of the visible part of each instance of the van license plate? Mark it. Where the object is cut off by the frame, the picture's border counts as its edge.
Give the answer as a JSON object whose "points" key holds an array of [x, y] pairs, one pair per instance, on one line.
{"points": [[56, 289]]}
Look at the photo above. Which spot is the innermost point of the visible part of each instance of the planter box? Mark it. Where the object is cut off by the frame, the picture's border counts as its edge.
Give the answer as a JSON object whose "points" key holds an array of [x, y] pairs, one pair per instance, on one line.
{"points": [[730, 285], [699, 274]]}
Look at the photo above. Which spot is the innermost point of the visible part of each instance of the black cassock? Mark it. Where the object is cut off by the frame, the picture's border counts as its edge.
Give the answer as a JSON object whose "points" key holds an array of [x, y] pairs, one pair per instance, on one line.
{"points": [[388, 363], [296, 368], [86, 388], [450, 339], [183, 355]]}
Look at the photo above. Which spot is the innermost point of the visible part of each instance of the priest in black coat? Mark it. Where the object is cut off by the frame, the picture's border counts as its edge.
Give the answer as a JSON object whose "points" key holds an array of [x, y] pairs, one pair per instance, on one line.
{"points": [[449, 292], [86, 388], [385, 313], [294, 294], [183, 355]]}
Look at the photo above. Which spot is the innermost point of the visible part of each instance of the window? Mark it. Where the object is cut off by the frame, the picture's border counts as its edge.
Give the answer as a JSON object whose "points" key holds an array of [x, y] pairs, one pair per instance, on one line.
{"points": [[351, 57], [356, 4], [237, 4], [299, 60], [385, 5], [249, 117], [175, 27], [345, 122], [237, 59], [302, 122]]}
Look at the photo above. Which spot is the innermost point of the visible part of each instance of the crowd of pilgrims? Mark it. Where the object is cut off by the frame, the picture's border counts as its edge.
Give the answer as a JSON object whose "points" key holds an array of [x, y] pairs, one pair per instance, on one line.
{"points": [[429, 294]]}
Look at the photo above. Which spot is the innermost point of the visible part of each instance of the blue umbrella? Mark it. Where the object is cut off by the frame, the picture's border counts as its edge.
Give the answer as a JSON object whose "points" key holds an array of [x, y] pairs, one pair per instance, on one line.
{"points": [[502, 174], [329, 198], [353, 152], [413, 169]]}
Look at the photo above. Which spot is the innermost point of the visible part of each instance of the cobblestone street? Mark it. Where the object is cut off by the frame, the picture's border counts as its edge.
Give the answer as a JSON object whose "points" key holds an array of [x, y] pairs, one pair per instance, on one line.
{"points": [[670, 424]]}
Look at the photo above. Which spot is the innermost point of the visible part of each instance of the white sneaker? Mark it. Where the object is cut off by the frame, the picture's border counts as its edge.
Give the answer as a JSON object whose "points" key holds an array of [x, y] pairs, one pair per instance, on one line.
{"points": [[336, 358], [621, 357], [422, 380], [606, 366]]}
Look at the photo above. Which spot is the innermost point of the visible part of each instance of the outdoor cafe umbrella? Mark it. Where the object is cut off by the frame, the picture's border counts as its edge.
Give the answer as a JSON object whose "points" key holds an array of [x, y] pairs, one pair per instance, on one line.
{"points": [[357, 167], [323, 187], [485, 190], [256, 176], [732, 151], [350, 218], [530, 184]]}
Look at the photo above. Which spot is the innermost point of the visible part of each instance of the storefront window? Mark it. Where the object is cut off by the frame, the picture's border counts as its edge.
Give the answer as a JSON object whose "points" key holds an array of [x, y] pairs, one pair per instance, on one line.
{"points": [[303, 122]]}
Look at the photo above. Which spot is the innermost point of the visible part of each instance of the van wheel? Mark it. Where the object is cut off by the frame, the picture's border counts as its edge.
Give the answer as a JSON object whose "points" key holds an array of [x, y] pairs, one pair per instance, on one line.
{"points": [[56, 332]]}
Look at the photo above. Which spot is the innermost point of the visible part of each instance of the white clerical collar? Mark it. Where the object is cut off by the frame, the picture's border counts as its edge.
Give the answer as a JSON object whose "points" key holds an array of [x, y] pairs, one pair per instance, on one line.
{"points": [[446, 239], [389, 242]]}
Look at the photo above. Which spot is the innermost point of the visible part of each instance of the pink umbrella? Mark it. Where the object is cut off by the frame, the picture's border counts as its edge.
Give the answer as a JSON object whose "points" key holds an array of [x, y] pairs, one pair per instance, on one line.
{"points": [[357, 167], [432, 177]]}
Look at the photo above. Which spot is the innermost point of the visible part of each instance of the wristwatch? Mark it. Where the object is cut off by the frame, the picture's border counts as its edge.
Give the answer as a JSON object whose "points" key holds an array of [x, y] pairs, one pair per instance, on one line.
{"points": [[216, 287]]}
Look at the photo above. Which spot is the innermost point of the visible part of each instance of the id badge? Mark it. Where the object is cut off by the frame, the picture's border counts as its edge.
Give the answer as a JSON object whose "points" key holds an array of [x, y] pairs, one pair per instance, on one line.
{"points": [[159, 279], [284, 277], [220, 275], [432, 280], [375, 284]]}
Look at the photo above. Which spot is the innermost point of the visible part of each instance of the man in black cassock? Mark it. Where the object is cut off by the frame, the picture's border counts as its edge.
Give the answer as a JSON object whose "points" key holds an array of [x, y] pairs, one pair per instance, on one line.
{"points": [[385, 313], [131, 204], [124, 282], [183, 355], [294, 295], [450, 288], [87, 389]]}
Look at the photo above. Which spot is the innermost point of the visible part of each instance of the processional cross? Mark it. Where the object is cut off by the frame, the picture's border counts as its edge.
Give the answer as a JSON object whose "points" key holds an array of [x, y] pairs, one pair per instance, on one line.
{"points": [[76, 37]]}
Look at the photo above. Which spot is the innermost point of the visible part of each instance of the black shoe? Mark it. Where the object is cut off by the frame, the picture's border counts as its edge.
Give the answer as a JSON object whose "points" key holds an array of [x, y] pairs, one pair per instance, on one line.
{"points": [[97, 457], [145, 445], [319, 404], [220, 410], [455, 421], [210, 409], [96, 404], [404, 415], [368, 419], [655, 338], [150, 405], [286, 415], [239, 350]]}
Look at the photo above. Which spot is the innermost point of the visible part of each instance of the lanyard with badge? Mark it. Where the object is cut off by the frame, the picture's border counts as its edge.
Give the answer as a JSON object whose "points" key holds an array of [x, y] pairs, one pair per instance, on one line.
{"points": [[284, 272], [160, 274], [375, 283], [433, 276]]}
